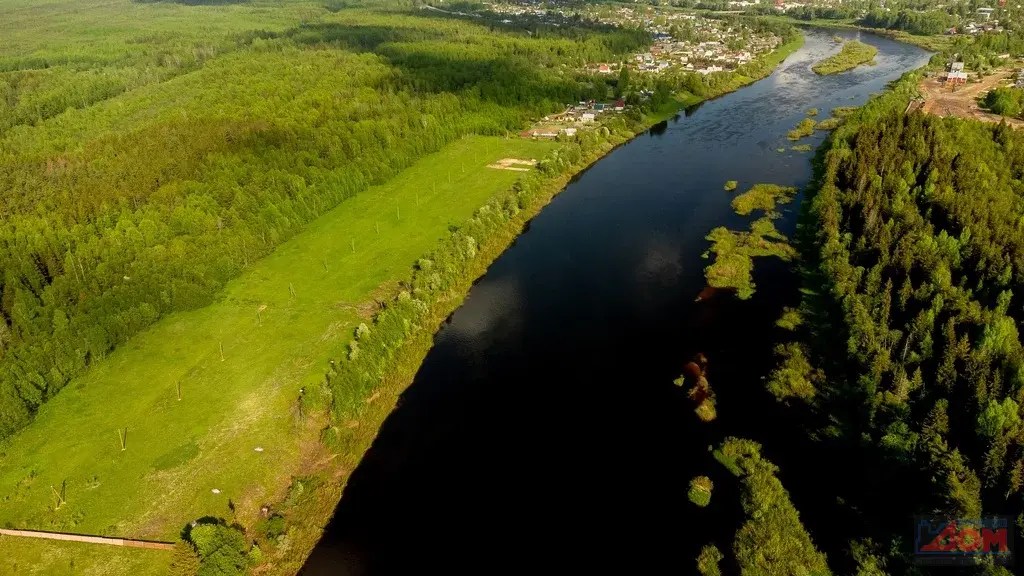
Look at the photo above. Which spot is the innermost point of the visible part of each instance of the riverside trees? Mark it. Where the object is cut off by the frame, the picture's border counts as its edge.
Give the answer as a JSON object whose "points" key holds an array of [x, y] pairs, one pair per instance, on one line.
{"points": [[911, 354]]}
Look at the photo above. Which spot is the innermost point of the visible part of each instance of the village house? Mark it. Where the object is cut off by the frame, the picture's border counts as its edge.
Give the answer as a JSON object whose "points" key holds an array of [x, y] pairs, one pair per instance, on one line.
{"points": [[956, 74]]}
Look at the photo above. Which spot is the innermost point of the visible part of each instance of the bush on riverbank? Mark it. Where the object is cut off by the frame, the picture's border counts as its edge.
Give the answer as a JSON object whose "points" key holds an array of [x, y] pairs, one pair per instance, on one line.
{"points": [[853, 54]]}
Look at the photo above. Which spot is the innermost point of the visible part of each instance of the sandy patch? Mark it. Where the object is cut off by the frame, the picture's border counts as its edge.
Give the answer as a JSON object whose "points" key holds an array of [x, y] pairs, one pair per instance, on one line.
{"points": [[514, 164]]}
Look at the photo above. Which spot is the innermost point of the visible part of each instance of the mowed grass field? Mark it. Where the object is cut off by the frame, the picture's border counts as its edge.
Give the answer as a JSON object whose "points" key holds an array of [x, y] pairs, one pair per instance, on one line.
{"points": [[278, 325]]}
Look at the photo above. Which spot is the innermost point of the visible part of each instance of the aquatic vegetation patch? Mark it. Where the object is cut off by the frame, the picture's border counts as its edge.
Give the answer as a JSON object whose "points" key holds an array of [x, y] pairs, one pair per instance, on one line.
{"points": [[731, 184], [700, 491], [734, 253], [707, 561], [803, 129], [762, 197], [843, 111], [829, 124], [852, 54]]}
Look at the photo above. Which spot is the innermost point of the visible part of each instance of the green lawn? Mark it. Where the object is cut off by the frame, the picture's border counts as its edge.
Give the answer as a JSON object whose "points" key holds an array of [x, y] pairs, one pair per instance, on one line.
{"points": [[31, 557], [179, 451]]}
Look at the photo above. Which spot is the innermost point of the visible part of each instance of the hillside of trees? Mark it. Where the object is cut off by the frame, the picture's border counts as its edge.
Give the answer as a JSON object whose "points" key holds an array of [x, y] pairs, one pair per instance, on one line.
{"points": [[910, 363], [119, 210], [920, 23], [142, 169]]}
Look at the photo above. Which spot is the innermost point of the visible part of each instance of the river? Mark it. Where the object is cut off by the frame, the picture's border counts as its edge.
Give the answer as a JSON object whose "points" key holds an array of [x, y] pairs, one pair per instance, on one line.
{"points": [[543, 430]]}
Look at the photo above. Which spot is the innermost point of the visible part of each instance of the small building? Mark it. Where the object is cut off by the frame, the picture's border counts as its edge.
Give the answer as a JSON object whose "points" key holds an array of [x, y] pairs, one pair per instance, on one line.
{"points": [[620, 105], [985, 13], [569, 131], [956, 67], [604, 69], [956, 78], [598, 107], [588, 117]]}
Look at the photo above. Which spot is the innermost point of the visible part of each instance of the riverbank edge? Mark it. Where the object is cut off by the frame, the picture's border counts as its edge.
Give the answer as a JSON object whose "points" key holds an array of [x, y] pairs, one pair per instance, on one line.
{"points": [[328, 477]]}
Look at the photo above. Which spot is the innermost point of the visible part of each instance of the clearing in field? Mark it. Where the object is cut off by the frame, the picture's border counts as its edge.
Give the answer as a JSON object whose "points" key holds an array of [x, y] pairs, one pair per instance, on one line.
{"points": [[514, 164], [961, 101], [232, 441]]}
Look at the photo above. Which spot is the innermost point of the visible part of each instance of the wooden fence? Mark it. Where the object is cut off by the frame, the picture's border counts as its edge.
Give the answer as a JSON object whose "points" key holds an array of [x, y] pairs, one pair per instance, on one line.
{"points": [[87, 539]]}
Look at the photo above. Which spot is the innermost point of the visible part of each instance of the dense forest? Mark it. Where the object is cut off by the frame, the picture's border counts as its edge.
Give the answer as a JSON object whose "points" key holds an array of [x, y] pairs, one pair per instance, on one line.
{"points": [[117, 211], [1005, 101], [909, 361], [921, 23]]}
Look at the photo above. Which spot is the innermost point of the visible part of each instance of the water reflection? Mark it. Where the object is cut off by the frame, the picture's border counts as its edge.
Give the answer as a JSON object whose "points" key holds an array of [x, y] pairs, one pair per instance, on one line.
{"points": [[544, 426]]}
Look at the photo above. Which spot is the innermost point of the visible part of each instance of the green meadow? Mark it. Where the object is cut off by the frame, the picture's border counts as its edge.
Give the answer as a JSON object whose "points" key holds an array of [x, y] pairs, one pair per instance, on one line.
{"points": [[30, 557], [237, 427]]}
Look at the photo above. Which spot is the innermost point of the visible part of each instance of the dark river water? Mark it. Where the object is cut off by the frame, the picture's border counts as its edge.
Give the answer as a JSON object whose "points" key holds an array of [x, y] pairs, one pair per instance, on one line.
{"points": [[543, 430]]}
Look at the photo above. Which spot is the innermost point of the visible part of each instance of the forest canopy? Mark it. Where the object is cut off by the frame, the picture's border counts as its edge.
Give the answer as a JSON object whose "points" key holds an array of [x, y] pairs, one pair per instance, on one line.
{"points": [[132, 189], [911, 354]]}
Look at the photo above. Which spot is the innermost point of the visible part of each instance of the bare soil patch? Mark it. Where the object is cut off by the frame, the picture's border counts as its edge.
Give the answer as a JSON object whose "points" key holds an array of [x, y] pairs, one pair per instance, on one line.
{"points": [[514, 164], [942, 99]]}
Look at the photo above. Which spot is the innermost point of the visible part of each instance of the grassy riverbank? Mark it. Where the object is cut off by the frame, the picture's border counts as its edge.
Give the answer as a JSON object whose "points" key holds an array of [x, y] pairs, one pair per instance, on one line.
{"points": [[355, 429], [852, 54], [239, 365], [179, 451]]}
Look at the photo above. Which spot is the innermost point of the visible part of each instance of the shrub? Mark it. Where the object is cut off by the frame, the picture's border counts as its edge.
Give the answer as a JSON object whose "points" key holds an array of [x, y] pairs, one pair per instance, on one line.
{"points": [[803, 129], [707, 562], [362, 331], [272, 527], [221, 549], [255, 555], [184, 560], [829, 124], [794, 377], [706, 410], [731, 184], [999, 418], [700, 491]]}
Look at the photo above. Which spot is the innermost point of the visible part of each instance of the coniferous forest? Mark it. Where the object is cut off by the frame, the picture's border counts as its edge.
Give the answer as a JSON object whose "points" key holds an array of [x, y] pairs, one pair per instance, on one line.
{"points": [[909, 363]]}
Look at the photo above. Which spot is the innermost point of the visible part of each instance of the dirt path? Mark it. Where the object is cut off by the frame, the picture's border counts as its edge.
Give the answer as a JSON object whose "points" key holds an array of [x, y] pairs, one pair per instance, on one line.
{"points": [[87, 539]]}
